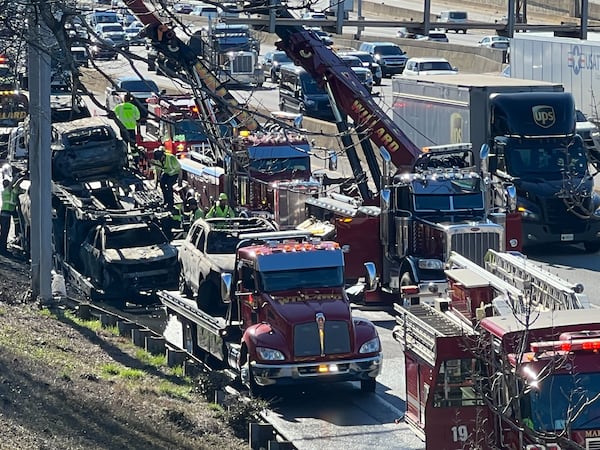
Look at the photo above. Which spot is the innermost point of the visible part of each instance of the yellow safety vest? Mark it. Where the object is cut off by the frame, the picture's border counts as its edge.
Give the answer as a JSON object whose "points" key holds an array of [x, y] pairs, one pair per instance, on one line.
{"points": [[128, 114]]}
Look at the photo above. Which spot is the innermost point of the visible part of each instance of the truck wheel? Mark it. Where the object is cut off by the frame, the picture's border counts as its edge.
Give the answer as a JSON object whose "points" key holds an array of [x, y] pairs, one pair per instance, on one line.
{"points": [[368, 385], [591, 247], [183, 286], [377, 81]]}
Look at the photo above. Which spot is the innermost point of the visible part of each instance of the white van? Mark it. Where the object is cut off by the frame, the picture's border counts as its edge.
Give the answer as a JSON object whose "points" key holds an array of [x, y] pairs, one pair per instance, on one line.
{"points": [[454, 17]]}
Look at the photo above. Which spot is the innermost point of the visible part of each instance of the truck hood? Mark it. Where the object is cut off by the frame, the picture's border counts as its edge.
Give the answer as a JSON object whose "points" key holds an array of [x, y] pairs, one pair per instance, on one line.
{"points": [[223, 262], [296, 307], [137, 255]]}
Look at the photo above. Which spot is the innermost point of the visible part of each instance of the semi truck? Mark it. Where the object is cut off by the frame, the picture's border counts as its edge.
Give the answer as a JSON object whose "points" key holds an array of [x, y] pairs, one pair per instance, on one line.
{"points": [[489, 364], [287, 319], [527, 128], [569, 62]]}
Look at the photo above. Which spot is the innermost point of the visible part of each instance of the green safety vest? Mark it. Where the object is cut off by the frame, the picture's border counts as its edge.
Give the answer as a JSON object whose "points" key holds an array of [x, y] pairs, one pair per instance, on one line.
{"points": [[128, 114], [171, 165], [216, 211], [8, 200]]}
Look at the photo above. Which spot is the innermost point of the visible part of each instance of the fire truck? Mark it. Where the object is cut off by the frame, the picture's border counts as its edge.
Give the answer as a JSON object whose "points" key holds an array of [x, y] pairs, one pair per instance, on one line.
{"points": [[503, 359], [269, 175], [279, 328]]}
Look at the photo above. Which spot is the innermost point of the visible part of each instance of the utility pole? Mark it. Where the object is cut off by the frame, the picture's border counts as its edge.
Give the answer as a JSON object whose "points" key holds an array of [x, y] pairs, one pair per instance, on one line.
{"points": [[40, 163]]}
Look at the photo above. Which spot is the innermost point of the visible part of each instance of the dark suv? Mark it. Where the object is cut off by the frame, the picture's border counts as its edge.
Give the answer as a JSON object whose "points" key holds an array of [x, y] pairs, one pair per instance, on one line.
{"points": [[388, 55], [368, 62]]}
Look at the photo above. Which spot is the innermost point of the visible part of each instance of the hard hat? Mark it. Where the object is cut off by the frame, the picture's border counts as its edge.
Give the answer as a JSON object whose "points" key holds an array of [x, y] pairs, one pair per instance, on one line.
{"points": [[222, 196]]}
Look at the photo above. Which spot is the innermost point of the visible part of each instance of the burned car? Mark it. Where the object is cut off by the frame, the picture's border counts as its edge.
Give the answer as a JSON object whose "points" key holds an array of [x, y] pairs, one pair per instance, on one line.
{"points": [[125, 259], [209, 250], [86, 147]]}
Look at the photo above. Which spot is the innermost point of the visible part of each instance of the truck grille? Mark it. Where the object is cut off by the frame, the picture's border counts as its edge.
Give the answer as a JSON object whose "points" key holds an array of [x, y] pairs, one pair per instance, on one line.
{"points": [[592, 444], [307, 342], [242, 64], [474, 246], [559, 220]]}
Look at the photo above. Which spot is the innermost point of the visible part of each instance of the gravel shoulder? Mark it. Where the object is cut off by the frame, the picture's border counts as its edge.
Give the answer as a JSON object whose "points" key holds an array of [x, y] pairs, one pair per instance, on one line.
{"points": [[68, 384]]}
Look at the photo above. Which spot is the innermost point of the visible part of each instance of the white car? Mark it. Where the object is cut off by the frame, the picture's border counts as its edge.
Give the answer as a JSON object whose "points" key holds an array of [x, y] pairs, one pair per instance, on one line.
{"points": [[499, 42], [428, 66]]}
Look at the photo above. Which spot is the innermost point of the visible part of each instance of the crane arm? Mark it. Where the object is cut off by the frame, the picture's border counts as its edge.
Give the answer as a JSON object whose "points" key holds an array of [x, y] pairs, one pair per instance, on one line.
{"points": [[165, 40], [308, 51]]}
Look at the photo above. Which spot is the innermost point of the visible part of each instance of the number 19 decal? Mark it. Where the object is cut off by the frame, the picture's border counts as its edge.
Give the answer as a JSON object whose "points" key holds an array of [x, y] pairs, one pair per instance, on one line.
{"points": [[459, 433]]}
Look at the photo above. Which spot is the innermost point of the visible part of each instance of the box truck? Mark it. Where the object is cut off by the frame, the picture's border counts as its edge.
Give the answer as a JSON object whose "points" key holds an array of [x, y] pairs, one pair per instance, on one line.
{"points": [[527, 130]]}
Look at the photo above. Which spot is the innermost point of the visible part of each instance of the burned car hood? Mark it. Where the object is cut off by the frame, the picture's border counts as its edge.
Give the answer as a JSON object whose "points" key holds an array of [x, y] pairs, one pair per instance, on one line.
{"points": [[222, 262], [140, 254]]}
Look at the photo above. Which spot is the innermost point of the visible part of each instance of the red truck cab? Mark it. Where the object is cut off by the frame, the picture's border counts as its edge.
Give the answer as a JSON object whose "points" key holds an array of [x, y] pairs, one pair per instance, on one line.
{"points": [[295, 318]]}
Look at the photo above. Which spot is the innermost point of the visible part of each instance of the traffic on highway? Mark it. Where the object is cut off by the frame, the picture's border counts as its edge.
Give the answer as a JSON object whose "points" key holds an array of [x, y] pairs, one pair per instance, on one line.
{"points": [[389, 235]]}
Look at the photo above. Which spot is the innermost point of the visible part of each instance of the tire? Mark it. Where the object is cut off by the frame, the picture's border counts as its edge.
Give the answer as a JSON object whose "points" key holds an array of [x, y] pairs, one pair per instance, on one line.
{"points": [[377, 81], [183, 286], [591, 247], [282, 106], [368, 386]]}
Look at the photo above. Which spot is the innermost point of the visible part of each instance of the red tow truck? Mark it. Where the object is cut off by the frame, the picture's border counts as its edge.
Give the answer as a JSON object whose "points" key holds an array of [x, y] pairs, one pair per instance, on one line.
{"points": [[287, 318], [506, 358], [269, 175]]}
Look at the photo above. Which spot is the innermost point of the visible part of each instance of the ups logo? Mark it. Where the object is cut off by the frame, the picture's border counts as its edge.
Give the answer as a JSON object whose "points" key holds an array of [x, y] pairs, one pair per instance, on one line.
{"points": [[543, 115]]}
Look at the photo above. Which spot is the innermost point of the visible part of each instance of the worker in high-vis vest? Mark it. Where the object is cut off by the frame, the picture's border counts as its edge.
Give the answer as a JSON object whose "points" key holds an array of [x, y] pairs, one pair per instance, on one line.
{"points": [[129, 116], [221, 209], [167, 170], [8, 209]]}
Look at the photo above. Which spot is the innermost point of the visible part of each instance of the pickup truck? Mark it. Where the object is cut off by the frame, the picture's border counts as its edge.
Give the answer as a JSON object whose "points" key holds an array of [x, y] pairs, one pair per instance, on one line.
{"points": [[208, 251]]}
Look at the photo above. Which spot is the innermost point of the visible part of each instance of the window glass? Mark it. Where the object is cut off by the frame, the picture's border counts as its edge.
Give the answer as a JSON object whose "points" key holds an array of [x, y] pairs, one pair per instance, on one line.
{"points": [[456, 384]]}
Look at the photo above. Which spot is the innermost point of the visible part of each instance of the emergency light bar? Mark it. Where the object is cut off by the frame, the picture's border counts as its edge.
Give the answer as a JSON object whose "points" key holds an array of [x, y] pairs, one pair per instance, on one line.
{"points": [[552, 446], [566, 346]]}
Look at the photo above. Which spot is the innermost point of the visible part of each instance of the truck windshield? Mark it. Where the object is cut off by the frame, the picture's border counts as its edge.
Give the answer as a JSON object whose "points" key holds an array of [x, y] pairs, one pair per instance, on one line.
{"points": [[277, 165], [135, 237], [559, 401], [549, 163], [289, 280], [189, 130], [448, 195]]}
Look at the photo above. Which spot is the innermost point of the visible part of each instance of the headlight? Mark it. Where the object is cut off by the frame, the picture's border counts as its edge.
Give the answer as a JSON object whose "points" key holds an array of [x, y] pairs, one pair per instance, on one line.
{"points": [[269, 354], [595, 133], [371, 346], [310, 103], [528, 214], [377, 57], [369, 76], [431, 264]]}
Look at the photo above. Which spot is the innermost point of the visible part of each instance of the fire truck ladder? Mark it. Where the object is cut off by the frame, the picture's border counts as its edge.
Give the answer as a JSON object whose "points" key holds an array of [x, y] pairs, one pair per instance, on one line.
{"points": [[544, 289], [419, 327]]}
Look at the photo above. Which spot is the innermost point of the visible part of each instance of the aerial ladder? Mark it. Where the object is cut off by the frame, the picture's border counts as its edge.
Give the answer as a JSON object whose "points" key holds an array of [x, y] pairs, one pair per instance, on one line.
{"points": [[526, 285]]}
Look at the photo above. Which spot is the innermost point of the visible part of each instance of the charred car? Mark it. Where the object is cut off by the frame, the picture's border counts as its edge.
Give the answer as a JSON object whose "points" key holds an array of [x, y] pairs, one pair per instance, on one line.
{"points": [[209, 250], [129, 258], [86, 147]]}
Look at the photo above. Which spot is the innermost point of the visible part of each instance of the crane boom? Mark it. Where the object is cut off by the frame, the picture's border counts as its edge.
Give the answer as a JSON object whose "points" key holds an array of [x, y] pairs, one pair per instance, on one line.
{"points": [[165, 40], [308, 51]]}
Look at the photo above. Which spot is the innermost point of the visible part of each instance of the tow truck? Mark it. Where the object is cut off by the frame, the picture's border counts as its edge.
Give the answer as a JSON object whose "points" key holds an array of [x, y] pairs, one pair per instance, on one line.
{"points": [[500, 359], [280, 328], [407, 238]]}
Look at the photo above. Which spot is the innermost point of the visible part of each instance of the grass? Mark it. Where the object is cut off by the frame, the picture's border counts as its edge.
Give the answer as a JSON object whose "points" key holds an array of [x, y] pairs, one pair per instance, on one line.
{"points": [[149, 359], [127, 373]]}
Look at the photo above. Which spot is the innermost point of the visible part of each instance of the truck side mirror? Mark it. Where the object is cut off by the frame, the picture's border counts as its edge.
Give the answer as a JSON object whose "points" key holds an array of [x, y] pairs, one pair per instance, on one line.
{"points": [[226, 287], [371, 277]]}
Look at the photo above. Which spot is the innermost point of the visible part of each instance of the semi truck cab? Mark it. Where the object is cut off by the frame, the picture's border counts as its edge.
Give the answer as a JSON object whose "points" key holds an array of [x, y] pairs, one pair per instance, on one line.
{"points": [[535, 146]]}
